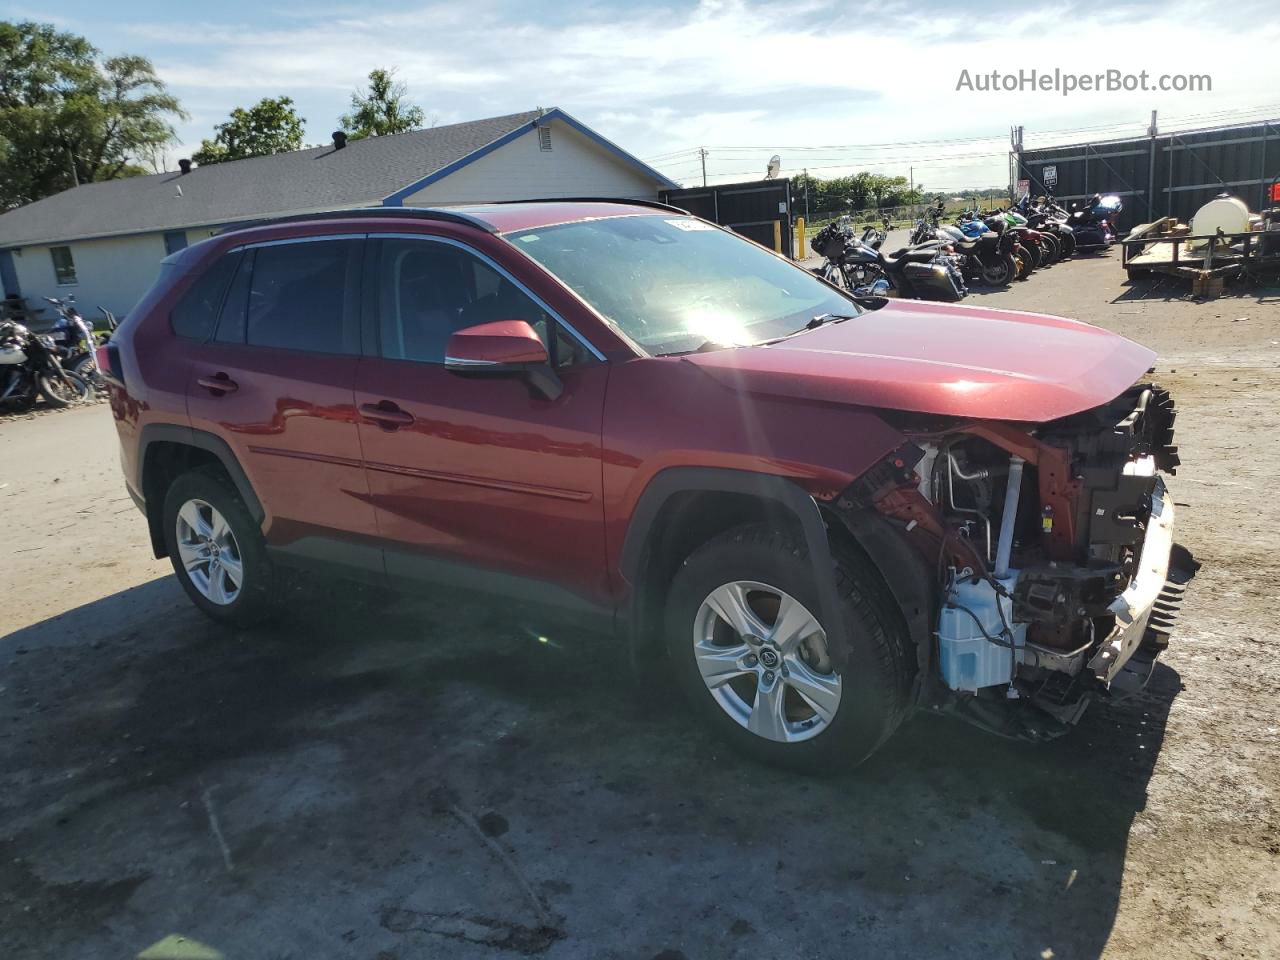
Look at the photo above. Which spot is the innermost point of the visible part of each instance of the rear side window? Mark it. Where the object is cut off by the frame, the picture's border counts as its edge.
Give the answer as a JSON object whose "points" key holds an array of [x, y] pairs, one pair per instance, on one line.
{"points": [[196, 313], [305, 296]]}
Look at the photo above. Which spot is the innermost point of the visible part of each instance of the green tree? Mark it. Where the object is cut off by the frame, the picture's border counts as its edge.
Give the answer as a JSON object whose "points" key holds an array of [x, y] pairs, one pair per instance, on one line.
{"points": [[69, 117], [382, 110], [269, 126]]}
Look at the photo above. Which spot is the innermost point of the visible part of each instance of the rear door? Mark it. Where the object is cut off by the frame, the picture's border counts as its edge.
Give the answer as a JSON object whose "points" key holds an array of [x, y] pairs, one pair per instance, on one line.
{"points": [[478, 480], [276, 383]]}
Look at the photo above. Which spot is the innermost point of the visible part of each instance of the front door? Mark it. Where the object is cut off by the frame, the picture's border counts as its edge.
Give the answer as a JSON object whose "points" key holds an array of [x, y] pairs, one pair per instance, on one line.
{"points": [[277, 381], [478, 480]]}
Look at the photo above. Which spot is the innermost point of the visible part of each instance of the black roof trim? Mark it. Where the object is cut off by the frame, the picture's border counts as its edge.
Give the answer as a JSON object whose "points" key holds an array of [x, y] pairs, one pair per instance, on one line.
{"points": [[384, 213], [631, 203]]}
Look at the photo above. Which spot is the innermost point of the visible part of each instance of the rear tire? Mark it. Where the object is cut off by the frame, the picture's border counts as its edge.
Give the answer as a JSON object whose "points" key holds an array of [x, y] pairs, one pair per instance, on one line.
{"points": [[1053, 249], [1026, 262], [216, 548], [1001, 272], [768, 571], [62, 393]]}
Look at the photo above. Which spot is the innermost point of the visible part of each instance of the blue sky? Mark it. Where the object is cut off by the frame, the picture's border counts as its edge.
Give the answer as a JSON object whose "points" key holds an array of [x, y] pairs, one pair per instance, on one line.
{"points": [[820, 83]]}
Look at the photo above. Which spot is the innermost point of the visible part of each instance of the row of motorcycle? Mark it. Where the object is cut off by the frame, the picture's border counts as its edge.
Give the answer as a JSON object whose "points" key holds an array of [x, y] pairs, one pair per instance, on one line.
{"points": [[59, 365], [941, 260]]}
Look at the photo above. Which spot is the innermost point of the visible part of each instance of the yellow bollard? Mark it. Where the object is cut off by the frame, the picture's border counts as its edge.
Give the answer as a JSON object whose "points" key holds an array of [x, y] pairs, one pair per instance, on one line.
{"points": [[800, 251], [777, 236]]}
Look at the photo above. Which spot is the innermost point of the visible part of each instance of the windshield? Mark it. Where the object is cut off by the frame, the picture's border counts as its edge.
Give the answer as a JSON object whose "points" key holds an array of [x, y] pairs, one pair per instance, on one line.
{"points": [[676, 284]]}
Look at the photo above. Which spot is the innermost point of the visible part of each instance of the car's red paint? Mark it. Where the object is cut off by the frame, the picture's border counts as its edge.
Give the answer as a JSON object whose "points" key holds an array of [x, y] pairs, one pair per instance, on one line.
{"points": [[504, 342], [413, 458], [955, 360], [488, 473]]}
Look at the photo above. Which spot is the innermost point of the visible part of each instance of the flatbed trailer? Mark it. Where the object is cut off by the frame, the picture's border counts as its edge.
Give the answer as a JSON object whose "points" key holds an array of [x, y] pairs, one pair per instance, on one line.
{"points": [[1156, 247]]}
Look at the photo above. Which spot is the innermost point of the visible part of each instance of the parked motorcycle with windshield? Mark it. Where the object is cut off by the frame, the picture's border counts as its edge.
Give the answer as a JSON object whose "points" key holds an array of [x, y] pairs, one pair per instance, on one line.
{"points": [[29, 369], [75, 343], [859, 265]]}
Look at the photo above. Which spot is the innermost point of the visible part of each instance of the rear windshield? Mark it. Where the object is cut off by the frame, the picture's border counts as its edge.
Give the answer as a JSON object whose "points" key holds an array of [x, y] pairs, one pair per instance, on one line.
{"points": [[677, 284]]}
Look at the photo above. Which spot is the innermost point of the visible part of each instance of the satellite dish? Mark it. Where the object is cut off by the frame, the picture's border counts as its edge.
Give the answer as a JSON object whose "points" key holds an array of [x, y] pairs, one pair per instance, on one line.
{"points": [[775, 164]]}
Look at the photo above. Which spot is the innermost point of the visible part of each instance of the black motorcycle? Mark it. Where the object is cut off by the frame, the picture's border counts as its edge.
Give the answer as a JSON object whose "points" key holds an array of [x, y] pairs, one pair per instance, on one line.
{"points": [[987, 258], [859, 265], [29, 368]]}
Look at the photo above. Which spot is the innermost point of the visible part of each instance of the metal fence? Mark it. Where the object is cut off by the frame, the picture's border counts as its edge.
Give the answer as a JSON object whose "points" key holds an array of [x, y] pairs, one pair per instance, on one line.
{"points": [[1166, 175]]}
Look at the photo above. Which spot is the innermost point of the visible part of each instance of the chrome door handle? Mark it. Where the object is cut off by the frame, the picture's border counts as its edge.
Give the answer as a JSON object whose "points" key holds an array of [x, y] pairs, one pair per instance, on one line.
{"points": [[219, 383], [386, 415]]}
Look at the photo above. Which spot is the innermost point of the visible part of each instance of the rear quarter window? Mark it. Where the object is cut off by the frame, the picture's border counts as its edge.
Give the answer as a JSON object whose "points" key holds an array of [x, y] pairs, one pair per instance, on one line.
{"points": [[196, 313]]}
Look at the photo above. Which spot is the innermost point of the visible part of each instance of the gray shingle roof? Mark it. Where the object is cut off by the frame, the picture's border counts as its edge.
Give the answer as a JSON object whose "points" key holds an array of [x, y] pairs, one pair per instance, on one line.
{"points": [[321, 178]]}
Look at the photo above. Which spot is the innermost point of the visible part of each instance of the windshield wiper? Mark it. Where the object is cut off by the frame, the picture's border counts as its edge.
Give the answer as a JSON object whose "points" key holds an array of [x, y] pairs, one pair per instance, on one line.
{"points": [[706, 346], [822, 318]]}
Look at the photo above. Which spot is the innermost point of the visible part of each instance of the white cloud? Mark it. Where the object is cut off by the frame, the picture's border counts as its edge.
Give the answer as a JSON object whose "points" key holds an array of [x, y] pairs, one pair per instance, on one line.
{"points": [[730, 73]]}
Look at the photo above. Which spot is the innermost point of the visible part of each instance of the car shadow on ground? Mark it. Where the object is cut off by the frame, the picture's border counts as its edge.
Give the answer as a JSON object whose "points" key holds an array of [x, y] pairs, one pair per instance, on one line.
{"points": [[452, 774]]}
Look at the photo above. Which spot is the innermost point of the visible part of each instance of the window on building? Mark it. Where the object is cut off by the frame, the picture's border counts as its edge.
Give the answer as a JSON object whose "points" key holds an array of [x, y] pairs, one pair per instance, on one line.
{"points": [[64, 268], [305, 296], [544, 138], [175, 240]]}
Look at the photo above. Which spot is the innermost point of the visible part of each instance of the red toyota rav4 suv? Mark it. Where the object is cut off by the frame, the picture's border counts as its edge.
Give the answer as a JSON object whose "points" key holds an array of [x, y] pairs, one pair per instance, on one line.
{"points": [[819, 512]]}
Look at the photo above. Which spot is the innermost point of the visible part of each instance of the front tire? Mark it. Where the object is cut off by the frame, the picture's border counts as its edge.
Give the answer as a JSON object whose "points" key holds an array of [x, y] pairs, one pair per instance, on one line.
{"points": [[752, 658], [87, 370], [216, 548]]}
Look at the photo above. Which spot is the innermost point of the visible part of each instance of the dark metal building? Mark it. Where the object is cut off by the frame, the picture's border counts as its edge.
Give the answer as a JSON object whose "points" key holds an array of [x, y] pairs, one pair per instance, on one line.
{"points": [[1165, 175], [760, 209]]}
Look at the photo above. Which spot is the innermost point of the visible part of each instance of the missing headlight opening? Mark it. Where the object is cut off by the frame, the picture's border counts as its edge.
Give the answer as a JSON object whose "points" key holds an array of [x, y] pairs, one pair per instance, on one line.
{"points": [[1058, 577]]}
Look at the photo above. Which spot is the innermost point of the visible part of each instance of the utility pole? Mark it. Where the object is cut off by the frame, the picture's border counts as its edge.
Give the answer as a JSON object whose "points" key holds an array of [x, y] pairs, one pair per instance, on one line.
{"points": [[702, 152], [806, 194], [1152, 131], [911, 192]]}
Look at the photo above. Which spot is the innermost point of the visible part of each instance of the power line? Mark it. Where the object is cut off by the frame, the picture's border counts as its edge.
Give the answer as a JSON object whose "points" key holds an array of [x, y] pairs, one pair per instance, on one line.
{"points": [[1236, 114]]}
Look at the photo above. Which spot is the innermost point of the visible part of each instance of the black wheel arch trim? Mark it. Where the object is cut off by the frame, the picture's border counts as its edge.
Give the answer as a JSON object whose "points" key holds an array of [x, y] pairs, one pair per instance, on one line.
{"points": [[907, 576], [154, 433], [780, 490]]}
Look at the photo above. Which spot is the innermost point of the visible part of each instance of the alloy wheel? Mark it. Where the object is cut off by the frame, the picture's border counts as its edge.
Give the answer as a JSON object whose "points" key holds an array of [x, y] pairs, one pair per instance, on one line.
{"points": [[209, 552], [763, 657]]}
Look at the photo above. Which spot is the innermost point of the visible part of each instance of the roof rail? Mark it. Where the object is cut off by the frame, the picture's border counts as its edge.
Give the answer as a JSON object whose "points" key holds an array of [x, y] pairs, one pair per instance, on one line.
{"points": [[657, 205], [385, 213]]}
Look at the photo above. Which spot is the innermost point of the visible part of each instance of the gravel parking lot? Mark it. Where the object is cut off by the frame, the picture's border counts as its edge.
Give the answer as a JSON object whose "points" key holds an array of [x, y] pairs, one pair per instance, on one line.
{"points": [[430, 780]]}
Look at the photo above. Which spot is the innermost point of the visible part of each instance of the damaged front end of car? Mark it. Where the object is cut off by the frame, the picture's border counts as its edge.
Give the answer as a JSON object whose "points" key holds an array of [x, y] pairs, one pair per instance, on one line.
{"points": [[1058, 577]]}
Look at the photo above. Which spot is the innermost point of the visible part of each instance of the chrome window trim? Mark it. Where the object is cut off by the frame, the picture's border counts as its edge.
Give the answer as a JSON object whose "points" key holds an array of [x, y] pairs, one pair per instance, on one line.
{"points": [[464, 362], [564, 324], [287, 240]]}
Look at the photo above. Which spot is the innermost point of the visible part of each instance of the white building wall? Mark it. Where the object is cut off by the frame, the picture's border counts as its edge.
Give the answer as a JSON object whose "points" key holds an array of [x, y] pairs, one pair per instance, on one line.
{"points": [[114, 272], [575, 166]]}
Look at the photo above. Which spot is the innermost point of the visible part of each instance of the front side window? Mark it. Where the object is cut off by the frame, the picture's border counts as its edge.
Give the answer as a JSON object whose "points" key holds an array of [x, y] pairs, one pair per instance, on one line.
{"points": [[64, 267], [677, 284], [297, 296], [429, 290]]}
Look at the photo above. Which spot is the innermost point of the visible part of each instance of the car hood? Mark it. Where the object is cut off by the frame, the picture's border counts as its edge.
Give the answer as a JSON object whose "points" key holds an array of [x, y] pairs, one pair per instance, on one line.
{"points": [[961, 361]]}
